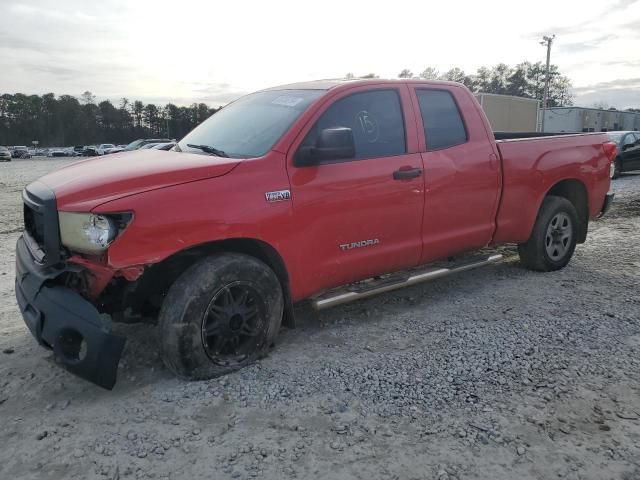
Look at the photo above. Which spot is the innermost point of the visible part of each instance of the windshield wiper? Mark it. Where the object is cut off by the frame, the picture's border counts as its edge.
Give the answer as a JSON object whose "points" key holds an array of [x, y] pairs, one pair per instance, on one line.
{"points": [[208, 149]]}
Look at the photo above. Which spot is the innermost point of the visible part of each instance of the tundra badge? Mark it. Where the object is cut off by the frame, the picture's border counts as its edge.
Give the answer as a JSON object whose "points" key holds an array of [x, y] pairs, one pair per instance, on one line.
{"points": [[363, 243], [278, 196]]}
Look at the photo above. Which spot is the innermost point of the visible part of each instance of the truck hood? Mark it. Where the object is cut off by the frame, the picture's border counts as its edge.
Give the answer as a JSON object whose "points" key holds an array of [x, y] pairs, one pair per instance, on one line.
{"points": [[86, 184]]}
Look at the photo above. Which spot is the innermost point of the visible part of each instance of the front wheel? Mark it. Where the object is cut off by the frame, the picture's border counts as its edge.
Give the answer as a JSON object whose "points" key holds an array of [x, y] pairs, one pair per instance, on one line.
{"points": [[220, 315], [554, 236]]}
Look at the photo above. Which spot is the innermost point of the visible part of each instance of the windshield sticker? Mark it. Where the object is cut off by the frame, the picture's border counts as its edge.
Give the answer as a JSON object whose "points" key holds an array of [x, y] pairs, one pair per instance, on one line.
{"points": [[287, 100]]}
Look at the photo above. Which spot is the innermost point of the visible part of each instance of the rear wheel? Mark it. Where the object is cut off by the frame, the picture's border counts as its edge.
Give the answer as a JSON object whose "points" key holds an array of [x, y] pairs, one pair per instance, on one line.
{"points": [[222, 314], [554, 236]]}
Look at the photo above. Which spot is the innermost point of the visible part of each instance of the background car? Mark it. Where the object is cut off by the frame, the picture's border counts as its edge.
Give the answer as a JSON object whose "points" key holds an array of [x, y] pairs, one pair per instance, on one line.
{"points": [[164, 146], [90, 151], [5, 154], [136, 144], [628, 158], [71, 152], [20, 151], [103, 147], [109, 151], [57, 152]]}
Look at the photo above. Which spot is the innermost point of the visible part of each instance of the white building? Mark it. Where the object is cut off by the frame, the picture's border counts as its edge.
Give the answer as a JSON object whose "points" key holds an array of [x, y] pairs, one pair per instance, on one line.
{"points": [[581, 119]]}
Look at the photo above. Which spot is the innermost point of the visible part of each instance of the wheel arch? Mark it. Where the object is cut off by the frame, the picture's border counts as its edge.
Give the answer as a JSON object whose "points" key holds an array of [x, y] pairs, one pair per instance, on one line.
{"points": [[157, 278], [576, 192]]}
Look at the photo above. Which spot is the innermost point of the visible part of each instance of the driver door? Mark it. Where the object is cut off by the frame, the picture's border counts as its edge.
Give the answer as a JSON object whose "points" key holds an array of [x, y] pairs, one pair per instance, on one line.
{"points": [[357, 217]]}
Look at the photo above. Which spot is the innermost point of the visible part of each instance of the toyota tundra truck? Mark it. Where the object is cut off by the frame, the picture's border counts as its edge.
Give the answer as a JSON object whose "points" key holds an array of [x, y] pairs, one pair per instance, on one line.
{"points": [[324, 192]]}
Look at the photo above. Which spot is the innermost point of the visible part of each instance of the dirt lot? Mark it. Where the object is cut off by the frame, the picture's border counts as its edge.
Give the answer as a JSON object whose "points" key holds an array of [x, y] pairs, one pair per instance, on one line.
{"points": [[498, 373]]}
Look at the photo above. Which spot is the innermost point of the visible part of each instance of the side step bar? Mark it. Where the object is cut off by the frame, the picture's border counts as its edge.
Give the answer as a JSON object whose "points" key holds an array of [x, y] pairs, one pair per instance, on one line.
{"points": [[368, 289]]}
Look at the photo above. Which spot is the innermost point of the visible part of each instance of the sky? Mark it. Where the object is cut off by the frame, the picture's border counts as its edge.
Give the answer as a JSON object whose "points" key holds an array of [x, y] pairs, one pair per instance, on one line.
{"points": [[214, 51]]}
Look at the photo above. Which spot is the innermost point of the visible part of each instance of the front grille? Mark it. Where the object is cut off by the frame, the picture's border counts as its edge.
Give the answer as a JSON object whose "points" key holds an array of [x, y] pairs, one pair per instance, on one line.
{"points": [[41, 222]]}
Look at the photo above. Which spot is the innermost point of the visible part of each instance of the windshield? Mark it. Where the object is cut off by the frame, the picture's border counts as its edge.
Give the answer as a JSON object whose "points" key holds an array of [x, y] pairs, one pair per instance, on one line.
{"points": [[615, 137], [250, 126]]}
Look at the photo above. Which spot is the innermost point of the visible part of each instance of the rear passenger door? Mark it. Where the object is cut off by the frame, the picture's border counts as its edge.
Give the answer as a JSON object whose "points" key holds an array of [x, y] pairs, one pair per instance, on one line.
{"points": [[462, 172]]}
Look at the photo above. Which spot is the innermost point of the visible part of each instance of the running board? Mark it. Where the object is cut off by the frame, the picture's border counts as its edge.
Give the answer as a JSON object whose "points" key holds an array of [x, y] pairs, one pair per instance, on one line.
{"points": [[395, 281]]}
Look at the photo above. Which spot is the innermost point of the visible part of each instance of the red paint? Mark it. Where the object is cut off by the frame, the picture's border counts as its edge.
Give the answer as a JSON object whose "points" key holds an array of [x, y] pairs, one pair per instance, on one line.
{"points": [[532, 167], [469, 196], [82, 185], [346, 202], [610, 150], [463, 183], [131, 273]]}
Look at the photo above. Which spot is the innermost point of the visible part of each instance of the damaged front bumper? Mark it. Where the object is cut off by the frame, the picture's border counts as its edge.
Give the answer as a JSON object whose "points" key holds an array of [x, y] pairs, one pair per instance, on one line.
{"points": [[62, 320]]}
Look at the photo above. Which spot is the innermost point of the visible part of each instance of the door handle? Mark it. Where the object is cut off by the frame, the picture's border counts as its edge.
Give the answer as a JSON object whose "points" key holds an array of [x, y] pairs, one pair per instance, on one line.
{"points": [[407, 174]]}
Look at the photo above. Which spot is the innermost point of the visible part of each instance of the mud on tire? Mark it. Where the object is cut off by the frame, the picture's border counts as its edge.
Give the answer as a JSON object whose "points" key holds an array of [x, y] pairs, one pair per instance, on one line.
{"points": [[220, 315]]}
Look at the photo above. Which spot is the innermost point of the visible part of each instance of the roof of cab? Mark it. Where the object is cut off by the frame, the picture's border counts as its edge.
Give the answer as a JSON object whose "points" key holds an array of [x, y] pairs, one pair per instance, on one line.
{"points": [[330, 84]]}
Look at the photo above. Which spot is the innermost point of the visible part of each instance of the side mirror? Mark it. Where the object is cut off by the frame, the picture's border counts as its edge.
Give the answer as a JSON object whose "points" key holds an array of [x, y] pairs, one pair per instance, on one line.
{"points": [[331, 144], [627, 146]]}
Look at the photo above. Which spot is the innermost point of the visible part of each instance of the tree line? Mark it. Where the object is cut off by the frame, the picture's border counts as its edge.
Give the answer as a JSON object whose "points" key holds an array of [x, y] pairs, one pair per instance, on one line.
{"points": [[525, 79], [66, 120]]}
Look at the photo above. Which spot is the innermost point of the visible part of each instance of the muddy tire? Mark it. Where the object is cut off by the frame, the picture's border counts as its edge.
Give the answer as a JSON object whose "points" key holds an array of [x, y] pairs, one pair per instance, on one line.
{"points": [[220, 315], [553, 239]]}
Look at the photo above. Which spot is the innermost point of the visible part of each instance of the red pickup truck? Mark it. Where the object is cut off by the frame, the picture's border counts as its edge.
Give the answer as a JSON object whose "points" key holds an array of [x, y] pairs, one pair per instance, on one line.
{"points": [[286, 195]]}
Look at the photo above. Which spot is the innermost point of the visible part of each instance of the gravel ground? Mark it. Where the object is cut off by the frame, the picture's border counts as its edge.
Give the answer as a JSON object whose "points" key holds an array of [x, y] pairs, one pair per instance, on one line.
{"points": [[497, 373]]}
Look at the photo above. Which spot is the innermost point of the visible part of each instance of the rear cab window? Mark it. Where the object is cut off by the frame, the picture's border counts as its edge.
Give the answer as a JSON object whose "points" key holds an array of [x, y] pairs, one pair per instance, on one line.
{"points": [[375, 118], [442, 120]]}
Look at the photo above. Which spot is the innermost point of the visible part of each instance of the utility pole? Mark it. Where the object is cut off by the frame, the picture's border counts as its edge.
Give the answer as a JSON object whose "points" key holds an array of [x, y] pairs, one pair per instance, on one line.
{"points": [[546, 41]]}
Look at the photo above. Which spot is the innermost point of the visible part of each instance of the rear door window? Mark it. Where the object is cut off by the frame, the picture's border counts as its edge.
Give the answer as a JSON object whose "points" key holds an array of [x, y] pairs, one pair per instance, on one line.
{"points": [[443, 124]]}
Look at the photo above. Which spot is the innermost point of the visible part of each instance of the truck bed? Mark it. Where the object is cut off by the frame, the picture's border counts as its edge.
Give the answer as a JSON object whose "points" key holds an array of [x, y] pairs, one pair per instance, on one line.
{"points": [[544, 159]]}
